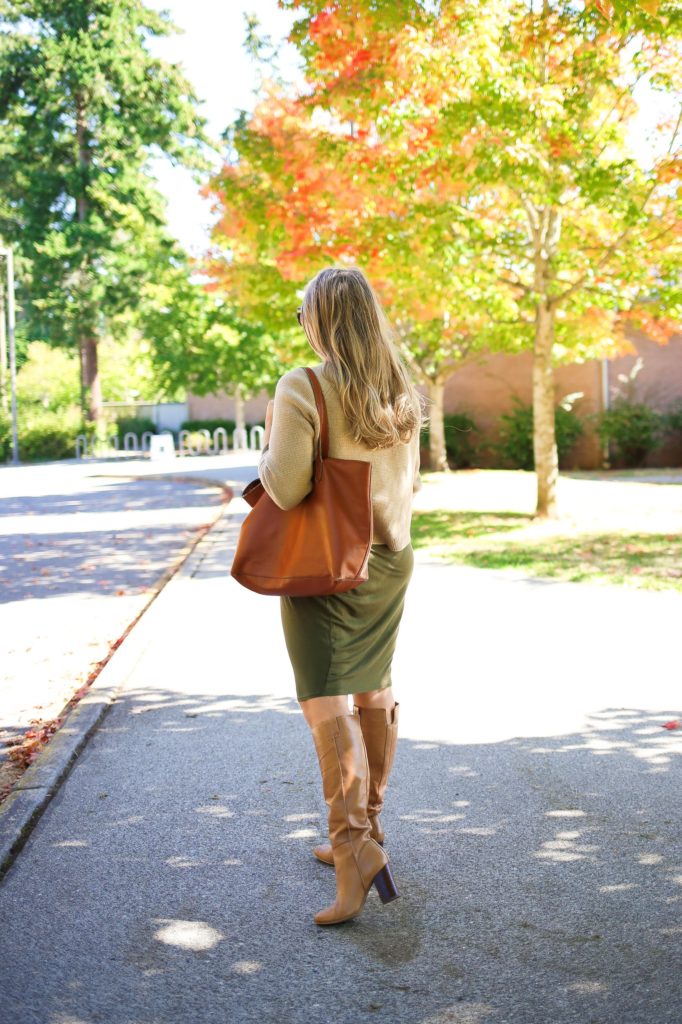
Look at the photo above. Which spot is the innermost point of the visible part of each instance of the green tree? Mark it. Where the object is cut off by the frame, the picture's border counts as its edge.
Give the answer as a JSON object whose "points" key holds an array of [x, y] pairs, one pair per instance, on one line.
{"points": [[203, 342], [83, 104], [48, 378]]}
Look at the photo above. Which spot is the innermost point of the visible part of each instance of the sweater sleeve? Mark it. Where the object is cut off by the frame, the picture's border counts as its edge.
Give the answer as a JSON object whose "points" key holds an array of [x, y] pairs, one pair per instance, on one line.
{"points": [[286, 464]]}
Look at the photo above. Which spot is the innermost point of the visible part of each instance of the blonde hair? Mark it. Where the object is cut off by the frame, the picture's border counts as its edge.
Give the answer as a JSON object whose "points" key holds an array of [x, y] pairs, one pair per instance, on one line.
{"points": [[345, 324]]}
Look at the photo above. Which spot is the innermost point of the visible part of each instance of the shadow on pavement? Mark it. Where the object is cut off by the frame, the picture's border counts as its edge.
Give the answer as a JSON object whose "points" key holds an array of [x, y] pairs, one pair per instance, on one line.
{"points": [[92, 556], [112, 495], [171, 878]]}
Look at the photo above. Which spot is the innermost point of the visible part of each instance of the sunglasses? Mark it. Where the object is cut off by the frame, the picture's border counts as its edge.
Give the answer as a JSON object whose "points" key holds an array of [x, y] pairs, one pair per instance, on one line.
{"points": [[298, 314]]}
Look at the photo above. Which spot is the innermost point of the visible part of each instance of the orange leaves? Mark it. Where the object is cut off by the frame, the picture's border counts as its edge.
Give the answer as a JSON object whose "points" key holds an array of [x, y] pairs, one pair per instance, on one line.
{"points": [[25, 751], [605, 8], [659, 328], [670, 171]]}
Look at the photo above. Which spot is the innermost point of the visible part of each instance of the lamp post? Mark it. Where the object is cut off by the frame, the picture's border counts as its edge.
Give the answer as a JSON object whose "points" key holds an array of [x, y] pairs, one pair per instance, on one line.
{"points": [[9, 258]]}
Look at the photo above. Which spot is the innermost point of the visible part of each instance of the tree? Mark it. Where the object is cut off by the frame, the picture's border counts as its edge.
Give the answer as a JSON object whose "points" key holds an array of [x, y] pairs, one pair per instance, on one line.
{"points": [[82, 105], [297, 193], [513, 117], [202, 342]]}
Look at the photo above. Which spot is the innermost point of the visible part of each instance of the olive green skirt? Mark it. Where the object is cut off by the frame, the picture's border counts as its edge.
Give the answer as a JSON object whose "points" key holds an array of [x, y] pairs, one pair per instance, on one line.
{"points": [[344, 643]]}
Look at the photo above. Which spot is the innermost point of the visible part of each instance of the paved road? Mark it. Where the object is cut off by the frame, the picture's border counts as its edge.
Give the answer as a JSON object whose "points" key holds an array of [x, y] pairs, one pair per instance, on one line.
{"points": [[80, 553], [533, 823]]}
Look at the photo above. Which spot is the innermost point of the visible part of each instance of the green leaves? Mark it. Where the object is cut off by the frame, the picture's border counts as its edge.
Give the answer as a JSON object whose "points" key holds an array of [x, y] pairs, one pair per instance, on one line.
{"points": [[83, 104]]}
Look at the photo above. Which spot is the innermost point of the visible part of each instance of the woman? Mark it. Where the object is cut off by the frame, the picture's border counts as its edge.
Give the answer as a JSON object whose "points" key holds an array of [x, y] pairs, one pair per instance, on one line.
{"points": [[343, 644]]}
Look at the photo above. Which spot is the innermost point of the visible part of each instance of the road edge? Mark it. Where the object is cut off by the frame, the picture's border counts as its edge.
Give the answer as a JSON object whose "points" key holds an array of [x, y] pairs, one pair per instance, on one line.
{"points": [[28, 798]]}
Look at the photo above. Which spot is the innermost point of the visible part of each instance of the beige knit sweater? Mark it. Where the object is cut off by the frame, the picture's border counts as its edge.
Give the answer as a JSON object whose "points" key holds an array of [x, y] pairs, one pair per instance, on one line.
{"points": [[286, 465]]}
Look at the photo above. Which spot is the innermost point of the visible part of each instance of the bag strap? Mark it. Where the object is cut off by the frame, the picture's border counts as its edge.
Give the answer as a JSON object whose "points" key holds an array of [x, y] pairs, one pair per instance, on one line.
{"points": [[323, 448]]}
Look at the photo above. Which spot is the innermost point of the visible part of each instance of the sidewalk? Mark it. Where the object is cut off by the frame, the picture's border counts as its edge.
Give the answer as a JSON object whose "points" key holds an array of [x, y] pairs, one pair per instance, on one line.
{"points": [[533, 821]]}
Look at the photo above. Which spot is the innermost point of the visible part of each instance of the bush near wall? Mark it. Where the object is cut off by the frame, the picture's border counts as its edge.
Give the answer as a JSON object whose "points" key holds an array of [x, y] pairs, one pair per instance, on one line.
{"points": [[137, 425], [210, 425], [515, 445], [460, 439], [673, 422], [633, 429]]}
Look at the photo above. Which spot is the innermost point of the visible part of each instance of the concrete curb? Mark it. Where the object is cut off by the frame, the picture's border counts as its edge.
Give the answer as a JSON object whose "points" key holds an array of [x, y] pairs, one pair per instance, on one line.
{"points": [[32, 793]]}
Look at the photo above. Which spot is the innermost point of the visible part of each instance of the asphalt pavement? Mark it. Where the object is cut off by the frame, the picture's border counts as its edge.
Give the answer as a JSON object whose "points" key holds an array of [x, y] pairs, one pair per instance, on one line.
{"points": [[83, 547], [532, 821]]}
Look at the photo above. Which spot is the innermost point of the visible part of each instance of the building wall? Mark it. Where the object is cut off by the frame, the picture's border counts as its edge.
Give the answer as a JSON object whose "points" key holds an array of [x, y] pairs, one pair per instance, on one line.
{"points": [[486, 387], [221, 406]]}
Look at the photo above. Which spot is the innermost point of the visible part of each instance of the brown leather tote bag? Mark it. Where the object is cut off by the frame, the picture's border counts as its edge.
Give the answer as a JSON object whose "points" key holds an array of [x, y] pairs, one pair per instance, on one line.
{"points": [[322, 545]]}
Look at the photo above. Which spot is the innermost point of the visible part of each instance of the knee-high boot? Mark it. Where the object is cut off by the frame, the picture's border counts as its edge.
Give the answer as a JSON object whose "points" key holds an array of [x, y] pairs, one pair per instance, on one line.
{"points": [[359, 861], [380, 733]]}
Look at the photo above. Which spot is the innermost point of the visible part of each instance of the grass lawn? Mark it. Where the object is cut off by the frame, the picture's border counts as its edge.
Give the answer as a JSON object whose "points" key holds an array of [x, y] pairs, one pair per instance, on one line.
{"points": [[579, 548]]}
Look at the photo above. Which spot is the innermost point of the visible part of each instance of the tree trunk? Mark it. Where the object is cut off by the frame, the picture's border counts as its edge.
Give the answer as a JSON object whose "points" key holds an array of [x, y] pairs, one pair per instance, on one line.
{"points": [[239, 417], [93, 410], [544, 224], [544, 440], [438, 460], [91, 392], [3, 351]]}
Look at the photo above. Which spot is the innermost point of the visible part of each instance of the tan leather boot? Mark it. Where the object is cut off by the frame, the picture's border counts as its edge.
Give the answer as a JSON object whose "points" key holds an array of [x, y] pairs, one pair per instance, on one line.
{"points": [[380, 733], [359, 861]]}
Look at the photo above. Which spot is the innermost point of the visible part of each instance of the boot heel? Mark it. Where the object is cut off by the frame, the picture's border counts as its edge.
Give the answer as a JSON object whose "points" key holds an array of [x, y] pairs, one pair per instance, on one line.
{"points": [[385, 885]]}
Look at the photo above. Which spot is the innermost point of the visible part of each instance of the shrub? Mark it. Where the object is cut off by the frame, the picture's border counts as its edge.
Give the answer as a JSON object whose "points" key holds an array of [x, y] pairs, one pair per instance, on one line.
{"points": [[459, 429], [210, 425], [516, 434], [198, 442], [137, 425], [673, 421], [5, 437], [49, 378], [49, 435], [634, 430]]}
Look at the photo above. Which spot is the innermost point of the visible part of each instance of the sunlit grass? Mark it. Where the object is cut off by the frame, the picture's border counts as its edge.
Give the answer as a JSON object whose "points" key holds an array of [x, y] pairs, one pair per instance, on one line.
{"points": [[506, 540]]}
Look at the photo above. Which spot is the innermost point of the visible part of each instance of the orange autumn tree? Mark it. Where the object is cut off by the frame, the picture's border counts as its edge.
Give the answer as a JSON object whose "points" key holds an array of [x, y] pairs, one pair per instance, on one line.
{"points": [[501, 134], [303, 190]]}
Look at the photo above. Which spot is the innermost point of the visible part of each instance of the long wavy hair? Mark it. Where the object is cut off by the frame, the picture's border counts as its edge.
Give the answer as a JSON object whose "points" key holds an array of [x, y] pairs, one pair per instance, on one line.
{"points": [[346, 325]]}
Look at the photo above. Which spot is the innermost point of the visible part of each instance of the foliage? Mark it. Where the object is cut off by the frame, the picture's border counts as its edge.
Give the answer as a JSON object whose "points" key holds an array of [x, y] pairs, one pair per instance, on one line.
{"points": [[49, 435], [126, 364], [633, 428], [201, 341], [48, 379], [210, 425], [460, 441], [673, 421], [515, 445], [198, 442], [83, 103], [5, 437], [137, 425]]}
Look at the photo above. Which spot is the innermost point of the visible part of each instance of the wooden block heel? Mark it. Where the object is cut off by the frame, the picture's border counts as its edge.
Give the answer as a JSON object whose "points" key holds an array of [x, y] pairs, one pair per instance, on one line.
{"points": [[385, 885]]}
